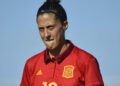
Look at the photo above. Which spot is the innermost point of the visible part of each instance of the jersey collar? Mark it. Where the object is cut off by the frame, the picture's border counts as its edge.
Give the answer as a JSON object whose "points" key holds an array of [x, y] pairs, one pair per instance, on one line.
{"points": [[60, 57]]}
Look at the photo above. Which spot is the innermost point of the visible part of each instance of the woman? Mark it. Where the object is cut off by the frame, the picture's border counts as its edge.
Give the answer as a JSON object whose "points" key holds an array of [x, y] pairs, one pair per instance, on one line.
{"points": [[61, 63]]}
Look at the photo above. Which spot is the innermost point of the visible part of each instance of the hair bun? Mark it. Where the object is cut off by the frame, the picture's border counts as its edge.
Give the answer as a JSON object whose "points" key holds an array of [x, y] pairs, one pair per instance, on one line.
{"points": [[57, 1]]}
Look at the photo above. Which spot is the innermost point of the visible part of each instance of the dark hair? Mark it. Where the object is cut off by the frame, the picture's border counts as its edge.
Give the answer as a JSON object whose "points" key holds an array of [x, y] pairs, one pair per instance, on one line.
{"points": [[53, 6]]}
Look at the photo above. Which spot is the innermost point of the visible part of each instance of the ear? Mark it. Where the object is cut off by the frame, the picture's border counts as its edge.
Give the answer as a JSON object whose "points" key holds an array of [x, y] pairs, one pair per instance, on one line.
{"points": [[65, 25]]}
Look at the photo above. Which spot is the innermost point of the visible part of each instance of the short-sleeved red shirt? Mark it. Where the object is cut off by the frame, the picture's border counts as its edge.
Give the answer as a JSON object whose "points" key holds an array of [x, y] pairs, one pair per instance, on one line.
{"points": [[74, 67]]}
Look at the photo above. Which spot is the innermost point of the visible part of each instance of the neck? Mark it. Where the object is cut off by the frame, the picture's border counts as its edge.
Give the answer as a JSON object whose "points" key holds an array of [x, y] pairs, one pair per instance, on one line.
{"points": [[60, 49]]}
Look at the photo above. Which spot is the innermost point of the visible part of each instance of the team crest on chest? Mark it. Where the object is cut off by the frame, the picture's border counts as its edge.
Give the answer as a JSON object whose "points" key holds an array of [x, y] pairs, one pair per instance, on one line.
{"points": [[68, 71]]}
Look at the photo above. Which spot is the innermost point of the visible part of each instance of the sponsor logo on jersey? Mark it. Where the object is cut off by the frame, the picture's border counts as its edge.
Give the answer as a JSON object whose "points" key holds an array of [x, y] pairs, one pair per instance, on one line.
{"points": [[68, 71], [39, 72]]}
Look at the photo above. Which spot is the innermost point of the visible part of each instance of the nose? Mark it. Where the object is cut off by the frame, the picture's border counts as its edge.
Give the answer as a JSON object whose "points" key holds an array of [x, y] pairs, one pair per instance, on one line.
{"points": [[46, 33]]}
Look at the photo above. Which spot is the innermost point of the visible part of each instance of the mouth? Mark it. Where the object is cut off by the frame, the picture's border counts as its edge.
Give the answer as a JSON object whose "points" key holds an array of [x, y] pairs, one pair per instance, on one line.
{"points": [[49, 40]]}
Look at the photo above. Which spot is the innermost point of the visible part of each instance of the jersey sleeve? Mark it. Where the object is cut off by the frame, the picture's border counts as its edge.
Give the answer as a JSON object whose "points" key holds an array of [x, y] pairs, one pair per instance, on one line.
{"points": [[26, 76], [92, 74]]}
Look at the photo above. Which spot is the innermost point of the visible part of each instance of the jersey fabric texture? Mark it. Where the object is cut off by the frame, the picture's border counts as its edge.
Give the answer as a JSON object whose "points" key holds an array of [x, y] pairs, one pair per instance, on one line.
{"points": [[74, 67]]}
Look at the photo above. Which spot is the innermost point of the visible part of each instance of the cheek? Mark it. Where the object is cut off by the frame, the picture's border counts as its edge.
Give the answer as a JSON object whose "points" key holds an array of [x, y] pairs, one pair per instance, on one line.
{"points": [[42, 36], [57, 35], [60, 33], [59, 38]]}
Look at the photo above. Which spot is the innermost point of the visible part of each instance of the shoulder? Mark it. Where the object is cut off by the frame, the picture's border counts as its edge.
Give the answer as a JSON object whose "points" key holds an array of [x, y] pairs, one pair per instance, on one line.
{"points": [[89, 67], [82, 53], [83, 56], [33, 60], [84, 59]]}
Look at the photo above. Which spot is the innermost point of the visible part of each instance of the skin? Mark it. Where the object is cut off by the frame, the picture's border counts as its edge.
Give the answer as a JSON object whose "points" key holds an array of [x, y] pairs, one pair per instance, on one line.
{"points": [[52, 32]]}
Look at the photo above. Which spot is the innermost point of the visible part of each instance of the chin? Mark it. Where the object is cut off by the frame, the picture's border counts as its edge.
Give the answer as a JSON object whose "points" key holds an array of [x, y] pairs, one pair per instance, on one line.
{"points": [[51, 48]]}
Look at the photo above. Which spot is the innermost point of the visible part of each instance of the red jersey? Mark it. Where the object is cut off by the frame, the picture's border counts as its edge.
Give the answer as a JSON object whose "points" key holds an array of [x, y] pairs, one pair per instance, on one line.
{"points": [[74, 67]]}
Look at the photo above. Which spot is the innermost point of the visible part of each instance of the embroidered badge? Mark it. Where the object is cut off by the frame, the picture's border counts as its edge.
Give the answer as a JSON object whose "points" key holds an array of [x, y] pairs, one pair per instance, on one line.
{"points": [[39, 72], [68, 71]]}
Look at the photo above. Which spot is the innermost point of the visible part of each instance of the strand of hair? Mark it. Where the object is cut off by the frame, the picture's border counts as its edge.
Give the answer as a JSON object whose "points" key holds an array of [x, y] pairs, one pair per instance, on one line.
{"points": [[57, 1]]}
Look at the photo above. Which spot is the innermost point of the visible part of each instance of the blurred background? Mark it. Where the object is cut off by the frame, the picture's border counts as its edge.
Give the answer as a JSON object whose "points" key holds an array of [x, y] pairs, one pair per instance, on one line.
{"points": [[94, 25]]}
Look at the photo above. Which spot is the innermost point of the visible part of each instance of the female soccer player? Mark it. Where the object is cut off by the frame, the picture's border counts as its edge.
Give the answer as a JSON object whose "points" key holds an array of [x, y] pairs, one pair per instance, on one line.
{"points": [[61, 63]]}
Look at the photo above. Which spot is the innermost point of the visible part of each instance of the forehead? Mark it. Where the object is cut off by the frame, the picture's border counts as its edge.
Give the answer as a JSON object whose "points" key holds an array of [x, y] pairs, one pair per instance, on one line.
{"points": [[45, 18]]}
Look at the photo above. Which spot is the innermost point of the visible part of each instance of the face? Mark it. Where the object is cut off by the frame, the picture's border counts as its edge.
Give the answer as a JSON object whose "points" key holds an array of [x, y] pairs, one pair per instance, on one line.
{"points": [[51, 30]]}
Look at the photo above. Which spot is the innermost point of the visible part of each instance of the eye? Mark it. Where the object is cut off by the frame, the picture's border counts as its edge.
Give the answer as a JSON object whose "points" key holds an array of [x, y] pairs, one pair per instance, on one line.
{"points": [[50, 27], [41, 28]]}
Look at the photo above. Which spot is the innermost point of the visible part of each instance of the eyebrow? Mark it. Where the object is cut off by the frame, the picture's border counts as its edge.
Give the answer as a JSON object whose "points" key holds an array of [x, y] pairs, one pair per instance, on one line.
{"points": [[50, 26], [41, 27]]}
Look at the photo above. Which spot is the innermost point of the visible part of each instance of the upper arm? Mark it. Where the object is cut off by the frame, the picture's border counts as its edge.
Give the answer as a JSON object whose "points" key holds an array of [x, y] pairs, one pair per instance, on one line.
{"points": [[93, 75]]}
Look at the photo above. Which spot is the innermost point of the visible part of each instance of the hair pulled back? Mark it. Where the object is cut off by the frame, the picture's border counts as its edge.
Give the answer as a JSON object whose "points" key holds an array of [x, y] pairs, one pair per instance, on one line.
{"points": [[53, 6]]}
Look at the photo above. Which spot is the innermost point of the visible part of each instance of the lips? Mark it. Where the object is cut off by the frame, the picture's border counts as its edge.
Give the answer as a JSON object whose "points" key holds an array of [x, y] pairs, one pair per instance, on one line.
{"points": [[49, 40]]}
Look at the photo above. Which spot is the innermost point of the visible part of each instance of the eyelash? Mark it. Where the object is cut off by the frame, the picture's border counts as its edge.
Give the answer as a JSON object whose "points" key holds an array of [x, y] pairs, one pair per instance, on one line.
{"points": [[41, 29], [49, 27]]}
